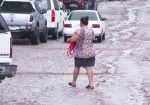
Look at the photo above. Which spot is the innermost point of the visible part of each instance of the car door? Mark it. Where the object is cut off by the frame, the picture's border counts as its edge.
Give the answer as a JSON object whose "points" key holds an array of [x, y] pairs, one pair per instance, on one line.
{"points": [[59, 15], [5, 41]]}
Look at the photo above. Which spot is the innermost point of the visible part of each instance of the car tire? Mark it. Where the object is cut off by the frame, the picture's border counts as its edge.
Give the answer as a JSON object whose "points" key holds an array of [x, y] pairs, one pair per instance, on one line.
{"points": [[2, 77], [65, 38], [35, 38], [44, 35], [103, 37], [99, 39], [55, 35], [61, 33]]}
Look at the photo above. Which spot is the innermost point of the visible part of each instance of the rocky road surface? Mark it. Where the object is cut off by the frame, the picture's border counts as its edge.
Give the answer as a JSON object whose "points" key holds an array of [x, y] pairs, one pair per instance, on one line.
{"points": [[121, 73]]}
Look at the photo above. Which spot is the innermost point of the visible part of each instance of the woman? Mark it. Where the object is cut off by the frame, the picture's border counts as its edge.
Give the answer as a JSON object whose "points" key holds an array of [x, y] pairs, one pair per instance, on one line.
{"points": [[84, 54]]}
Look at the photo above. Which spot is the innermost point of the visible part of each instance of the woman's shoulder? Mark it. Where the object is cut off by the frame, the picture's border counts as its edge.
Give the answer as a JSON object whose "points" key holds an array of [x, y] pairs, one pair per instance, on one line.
{"points": [[90, 29]]}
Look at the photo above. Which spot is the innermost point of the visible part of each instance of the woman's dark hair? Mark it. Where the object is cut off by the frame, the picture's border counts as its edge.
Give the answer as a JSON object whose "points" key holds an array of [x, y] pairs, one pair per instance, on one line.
{"points": [[84, 20]]}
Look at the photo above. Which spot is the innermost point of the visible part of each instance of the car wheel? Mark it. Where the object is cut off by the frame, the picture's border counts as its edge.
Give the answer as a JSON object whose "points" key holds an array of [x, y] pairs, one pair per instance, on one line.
{"points": [[99, 39], [35, 38], [55, 35], [44, 35], [65, 38], [103, 37], [61, 33], [2, 77]]}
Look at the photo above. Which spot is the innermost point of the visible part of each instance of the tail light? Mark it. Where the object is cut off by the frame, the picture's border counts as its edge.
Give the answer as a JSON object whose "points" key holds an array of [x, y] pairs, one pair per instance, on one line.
{"points": [[29, 25], [53, 15], [67, 25], [10, 47], [95, 26], [31, 18]]}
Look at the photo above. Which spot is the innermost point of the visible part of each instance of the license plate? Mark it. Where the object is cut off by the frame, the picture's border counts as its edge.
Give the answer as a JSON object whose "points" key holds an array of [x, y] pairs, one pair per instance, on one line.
{"points": [[73, 5], [13, 28]]}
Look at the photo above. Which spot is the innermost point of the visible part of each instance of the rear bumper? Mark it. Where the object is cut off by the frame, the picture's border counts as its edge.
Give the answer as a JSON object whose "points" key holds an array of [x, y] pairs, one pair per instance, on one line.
{"points": [[7, 70], [16, 34], [70, 32], [52, 31], [21, 31]]}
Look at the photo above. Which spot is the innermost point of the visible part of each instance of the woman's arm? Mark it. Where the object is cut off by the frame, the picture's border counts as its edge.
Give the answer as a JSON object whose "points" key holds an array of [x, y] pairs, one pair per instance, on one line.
{"points": [[74, 38]]}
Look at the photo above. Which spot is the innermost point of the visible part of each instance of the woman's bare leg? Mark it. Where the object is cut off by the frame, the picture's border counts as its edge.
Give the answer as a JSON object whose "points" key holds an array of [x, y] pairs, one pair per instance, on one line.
{"points": [[75, 75], [90, 75]]}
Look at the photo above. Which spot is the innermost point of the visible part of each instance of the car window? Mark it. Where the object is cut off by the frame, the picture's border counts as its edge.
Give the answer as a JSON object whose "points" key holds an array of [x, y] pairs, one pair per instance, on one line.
{"points": [[17, 7], [3, 25], [56, 5], [44, 4], [78, 15]]}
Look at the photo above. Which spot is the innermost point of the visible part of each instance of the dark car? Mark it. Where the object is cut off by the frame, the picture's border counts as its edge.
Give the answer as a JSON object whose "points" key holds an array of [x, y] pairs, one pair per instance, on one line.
{"points": [[74, 5]]}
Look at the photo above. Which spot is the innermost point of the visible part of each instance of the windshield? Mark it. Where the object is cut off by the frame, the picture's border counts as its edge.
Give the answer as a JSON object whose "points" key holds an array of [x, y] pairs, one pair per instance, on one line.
{"points": [[3, 25], [17, 7], [78, 15]]}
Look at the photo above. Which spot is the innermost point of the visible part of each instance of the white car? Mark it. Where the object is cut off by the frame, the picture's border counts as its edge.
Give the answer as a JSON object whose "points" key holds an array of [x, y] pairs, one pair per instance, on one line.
{"points": [[96, 22], [54, 16], [6, 67]]}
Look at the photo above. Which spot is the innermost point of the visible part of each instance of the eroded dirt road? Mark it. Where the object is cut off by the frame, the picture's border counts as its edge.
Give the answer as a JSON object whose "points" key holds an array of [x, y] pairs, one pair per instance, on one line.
{"points": [[121, 70]]}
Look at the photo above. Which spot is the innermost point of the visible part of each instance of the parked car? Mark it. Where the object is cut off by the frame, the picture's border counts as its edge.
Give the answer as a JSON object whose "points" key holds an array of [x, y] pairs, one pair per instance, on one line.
{"points": [[54, 16], [25, 20], [96, 22], [7, 69], [74, 5]]}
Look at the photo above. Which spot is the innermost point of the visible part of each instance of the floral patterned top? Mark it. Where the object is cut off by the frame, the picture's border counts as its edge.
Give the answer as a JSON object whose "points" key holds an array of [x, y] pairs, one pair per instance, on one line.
{"points": [[84, 46]]}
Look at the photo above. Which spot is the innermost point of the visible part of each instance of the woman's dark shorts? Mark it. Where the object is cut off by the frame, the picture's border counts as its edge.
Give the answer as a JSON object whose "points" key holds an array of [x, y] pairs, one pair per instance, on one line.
{"points": [[84, 62]]}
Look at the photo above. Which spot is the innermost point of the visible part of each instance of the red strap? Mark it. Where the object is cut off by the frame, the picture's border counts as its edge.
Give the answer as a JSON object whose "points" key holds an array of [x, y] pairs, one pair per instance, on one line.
{"points": [[70, 50]]}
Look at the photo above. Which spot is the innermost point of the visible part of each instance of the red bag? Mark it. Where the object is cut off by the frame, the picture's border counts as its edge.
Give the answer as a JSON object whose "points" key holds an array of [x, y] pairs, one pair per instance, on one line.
{"points": [[70, 50]]}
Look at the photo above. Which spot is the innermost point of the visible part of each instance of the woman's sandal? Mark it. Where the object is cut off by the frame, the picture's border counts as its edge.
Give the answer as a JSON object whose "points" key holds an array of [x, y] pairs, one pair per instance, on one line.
{"points": [[70, 84], [89, 87]]}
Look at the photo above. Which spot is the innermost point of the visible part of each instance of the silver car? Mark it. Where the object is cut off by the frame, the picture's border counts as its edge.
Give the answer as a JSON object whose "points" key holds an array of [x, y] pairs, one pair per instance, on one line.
{"points": [[25, 19]]}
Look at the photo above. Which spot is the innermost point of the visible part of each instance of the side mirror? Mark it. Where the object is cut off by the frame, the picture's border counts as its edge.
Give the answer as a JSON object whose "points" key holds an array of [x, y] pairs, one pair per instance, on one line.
{"points": [[1, 27], [43, 11], [67, 11], [104, 19]]}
